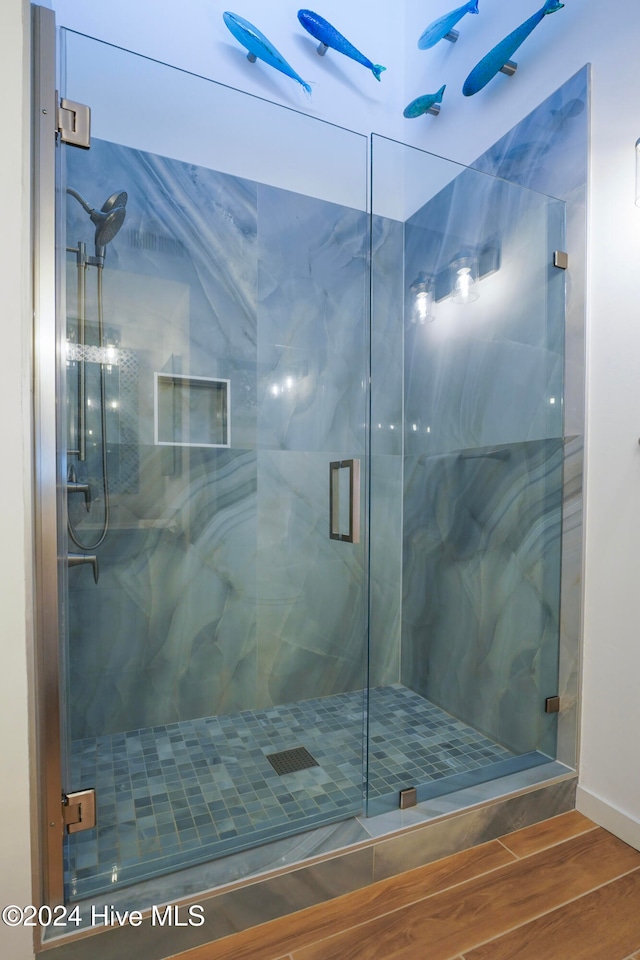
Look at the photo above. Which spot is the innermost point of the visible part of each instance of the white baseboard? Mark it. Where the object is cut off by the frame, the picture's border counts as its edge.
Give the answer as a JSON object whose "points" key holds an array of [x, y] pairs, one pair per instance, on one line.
{"points": [[616, 821]]}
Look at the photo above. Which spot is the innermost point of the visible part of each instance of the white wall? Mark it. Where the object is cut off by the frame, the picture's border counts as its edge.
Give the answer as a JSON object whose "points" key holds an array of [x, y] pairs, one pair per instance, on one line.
{"points": [[15, 873], [344, 92]]}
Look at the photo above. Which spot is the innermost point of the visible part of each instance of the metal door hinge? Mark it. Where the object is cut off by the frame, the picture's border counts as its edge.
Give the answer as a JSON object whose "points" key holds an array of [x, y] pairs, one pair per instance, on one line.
{"points": [[79, 810], [560, 259], [408, 798], [74, 123], [552, 705]]}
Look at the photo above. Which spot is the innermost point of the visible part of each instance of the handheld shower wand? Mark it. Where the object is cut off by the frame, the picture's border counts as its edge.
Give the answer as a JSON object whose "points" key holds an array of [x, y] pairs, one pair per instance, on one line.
{"points": [[107, 222]]}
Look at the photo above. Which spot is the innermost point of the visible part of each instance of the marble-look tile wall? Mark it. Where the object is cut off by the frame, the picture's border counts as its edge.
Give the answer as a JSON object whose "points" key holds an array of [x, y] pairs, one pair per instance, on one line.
{"points": [[219, 587], [199, 281], [386, 446], [481, 586], [548, 151], [489, 371], [311, 590], [485, 529], [482, 478]]}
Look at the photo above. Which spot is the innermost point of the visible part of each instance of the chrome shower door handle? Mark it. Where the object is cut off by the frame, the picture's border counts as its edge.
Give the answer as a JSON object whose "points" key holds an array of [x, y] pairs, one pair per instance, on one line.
{"points": [[353, 534]]}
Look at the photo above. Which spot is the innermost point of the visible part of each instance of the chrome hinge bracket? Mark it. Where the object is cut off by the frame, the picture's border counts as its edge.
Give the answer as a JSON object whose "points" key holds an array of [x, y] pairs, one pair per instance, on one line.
{"points": [[552, 705], [79, 810], [74, 123], [560, 259]]}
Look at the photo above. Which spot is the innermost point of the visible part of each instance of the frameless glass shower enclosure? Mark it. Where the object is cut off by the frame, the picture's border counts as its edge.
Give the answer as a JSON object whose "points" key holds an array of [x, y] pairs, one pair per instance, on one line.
{"points": [[309, 471]]}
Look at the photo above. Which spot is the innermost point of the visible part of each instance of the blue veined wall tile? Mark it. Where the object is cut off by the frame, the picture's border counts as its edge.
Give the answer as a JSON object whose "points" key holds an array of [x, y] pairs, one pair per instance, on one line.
{"points": [[481, 372], [311, 589], [481, 586], [548, 151], [312, 286], [387, 336], [385, 569], [180, 276], [169, 632], [385, 545]]}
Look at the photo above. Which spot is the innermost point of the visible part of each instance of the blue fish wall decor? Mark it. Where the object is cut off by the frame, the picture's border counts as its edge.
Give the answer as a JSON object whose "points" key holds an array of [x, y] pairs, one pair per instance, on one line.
{"points": [[495, 60], [259, 47], [322, 30], [443, 26], [429, 103]]}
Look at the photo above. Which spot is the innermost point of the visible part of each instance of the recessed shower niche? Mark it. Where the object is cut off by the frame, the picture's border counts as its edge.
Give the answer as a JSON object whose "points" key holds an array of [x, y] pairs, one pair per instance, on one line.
{"points": [[191, 411]]}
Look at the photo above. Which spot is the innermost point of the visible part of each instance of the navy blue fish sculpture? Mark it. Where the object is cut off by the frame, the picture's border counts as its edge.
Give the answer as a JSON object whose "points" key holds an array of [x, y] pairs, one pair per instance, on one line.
{"points": [[328, 36], [259, 47], [424, 104], [441, 27], [495, 60]]}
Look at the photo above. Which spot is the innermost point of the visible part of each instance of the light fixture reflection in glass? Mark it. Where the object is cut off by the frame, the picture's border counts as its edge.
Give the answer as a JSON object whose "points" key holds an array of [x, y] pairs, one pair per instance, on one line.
{"points": [[465, 280], [110, 356], [423, 289]]}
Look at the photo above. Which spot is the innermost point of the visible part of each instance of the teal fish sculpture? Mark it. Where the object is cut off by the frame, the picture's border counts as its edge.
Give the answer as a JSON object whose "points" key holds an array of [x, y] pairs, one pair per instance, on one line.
{"points": [[495, 60], [259, 47], [322, 30], [423, 104], [439, 29]]}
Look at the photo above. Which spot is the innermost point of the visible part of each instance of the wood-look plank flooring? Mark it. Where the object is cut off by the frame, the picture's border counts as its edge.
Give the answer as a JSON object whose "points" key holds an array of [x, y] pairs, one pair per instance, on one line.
{"points": [[563, 889]]}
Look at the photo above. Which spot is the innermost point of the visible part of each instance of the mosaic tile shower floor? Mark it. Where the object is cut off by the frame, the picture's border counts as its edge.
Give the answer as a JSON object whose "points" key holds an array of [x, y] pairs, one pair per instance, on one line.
{"points": [[176, 795]]}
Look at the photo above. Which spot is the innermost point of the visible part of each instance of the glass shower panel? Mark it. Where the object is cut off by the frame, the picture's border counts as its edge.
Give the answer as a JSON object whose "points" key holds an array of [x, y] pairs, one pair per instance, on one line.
{"points": [[215, 363], [466, 475]]}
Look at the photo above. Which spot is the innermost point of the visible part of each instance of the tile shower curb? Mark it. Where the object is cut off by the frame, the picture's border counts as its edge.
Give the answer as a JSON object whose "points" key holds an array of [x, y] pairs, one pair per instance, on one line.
{"points": [[245, 903]]}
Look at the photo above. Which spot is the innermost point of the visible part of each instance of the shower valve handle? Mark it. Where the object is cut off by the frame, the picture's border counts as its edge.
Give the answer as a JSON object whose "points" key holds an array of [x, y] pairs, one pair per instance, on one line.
{"points": [[74, 486], [76, 559]]}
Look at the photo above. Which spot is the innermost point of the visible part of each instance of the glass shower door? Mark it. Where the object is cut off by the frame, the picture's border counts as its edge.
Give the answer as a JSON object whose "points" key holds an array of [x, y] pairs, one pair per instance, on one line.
{"points": [[215, 371], [466, 476]]}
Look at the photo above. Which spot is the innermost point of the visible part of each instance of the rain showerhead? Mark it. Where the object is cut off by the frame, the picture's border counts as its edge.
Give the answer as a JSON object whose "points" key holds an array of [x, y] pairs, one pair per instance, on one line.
{"points": [[107, 220], [107, 225], [117, 199]]}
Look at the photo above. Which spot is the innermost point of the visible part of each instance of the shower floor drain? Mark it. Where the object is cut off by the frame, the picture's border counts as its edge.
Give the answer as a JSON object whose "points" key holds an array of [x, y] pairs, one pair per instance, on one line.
{"points": [[288, 761]]}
